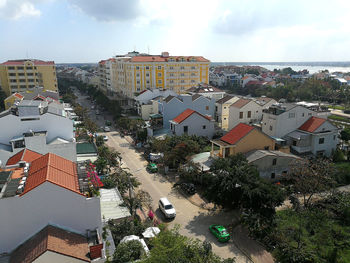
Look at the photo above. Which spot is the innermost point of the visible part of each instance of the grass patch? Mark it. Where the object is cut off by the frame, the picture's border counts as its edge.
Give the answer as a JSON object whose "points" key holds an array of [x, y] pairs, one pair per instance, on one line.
{"points": [[339, 118], [336, 107]]}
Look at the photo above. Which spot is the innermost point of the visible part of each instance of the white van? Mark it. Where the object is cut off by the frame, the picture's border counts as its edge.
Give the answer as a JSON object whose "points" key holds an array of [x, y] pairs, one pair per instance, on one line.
{"points": [[167, 208]]}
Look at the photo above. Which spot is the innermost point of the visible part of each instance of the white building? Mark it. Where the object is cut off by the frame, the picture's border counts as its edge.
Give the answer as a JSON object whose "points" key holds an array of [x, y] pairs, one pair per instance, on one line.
{"points": [[244, 111], [49, 191], [281, 119], [316, 136], [222, 110], [207, 90], [192, 123], [36, 116]]}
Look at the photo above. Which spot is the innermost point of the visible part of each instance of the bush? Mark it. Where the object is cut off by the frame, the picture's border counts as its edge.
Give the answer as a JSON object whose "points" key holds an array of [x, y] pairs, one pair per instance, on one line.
{"points": [[128, 252], [338, 156]]}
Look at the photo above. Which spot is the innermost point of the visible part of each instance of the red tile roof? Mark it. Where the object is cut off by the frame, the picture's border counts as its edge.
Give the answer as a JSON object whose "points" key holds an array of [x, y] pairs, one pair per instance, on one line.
{"points": [[187, 113], [237, 133], [165, 59], [24, 155], [312, 124], [240, 103], [52, 239], [54, 169], [18, 95], [22, 61]]}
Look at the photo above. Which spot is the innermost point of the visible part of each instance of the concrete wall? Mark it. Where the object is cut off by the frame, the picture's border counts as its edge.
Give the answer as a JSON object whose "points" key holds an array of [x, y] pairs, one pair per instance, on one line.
{"points": [[174, 107], [329, 145], [146, 110], [46, 204], [56, 126], [195, 125], [255, 111], [53, 257], [283, 124]]}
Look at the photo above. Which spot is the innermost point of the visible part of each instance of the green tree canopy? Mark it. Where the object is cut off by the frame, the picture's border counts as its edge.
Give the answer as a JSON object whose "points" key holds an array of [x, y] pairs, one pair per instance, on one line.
{"points": [[128, 252]]}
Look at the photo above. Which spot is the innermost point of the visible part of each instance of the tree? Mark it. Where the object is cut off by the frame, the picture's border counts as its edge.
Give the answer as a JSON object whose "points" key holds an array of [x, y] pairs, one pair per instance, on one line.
{"points": [[2, 99], [309, 177], [136, 201], [90, 125], [128, 252], [99, 141], [233, 183], [171, 247], [345, 134], [122, 179]]}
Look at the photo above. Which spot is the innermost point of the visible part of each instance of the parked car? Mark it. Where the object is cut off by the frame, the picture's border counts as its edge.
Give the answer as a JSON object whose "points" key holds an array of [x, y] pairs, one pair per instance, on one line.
{"points": [[220, 233], [93, 107], [105, 138], [167, 208], [187, 188], [97, 112], [152, 167], [108, 123], [106, 129]]}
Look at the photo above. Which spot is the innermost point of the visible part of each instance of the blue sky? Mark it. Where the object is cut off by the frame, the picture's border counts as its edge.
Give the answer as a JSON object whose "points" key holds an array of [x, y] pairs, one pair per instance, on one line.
{"points": [[220, 30]]}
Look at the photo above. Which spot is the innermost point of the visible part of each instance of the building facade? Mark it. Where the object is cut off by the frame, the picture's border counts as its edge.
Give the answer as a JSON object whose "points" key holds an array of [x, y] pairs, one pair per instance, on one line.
{"points": [[134, 74], [23, 75], [244, 111]]}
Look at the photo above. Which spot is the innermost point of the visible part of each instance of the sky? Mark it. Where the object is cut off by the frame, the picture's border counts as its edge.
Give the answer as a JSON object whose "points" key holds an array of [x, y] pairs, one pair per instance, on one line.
{"points": [[87, 31]]}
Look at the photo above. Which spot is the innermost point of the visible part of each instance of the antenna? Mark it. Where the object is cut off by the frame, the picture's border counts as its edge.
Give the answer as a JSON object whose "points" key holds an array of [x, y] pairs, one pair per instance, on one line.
{"points": [[134, 48], [27, 54], [148, 49]]}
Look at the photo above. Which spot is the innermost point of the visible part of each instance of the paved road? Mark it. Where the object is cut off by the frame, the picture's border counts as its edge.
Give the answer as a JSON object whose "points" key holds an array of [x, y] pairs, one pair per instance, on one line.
{"points": [[193, 220]]}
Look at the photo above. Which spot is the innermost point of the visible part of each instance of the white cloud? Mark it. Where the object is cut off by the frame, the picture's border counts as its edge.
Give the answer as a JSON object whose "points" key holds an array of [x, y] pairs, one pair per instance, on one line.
{"points": [[17, 9]]}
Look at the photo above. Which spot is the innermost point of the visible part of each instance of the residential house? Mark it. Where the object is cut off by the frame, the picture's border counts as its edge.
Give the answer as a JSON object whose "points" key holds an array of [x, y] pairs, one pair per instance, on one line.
{"points": [[35, 116], [192, 123], [242, 139], [43, 190], [280, 119], [173, 106], [55, 244], [265, 102], [247, 78], [222, 112], [207, 90], [244, 111], [86, 151], [316, 136], [272, 165]]}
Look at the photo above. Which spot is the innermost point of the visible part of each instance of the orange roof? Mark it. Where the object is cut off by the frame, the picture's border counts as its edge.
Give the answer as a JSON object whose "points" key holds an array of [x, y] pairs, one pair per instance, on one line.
{"points": [[22, 61], [52, 239], [18, 95], [312, 124], [165, 59], [237, 133], [24, 155], [187, 113], [54, 169], [240, 103]]}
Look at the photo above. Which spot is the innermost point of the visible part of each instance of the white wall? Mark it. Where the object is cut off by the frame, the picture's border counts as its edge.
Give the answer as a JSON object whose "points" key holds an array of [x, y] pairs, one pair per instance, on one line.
{"points": [[24, 216], [53, 257], [253, 107], [283, 124], [56, 126], [195, 126]]}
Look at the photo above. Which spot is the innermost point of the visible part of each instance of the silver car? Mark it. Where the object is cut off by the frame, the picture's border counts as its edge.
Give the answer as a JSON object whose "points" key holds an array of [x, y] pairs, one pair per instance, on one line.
{"points": [[167, 208]]}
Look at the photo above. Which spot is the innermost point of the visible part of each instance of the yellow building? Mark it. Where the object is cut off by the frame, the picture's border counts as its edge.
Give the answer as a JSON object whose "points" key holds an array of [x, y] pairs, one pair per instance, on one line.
{"points": [[131, 75], [242, 139], [25, 74]]}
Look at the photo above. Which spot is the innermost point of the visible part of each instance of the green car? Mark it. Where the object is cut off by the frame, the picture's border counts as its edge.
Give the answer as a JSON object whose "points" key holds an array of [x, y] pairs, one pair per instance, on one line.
{"points": [[220, 233], [152, 167]]}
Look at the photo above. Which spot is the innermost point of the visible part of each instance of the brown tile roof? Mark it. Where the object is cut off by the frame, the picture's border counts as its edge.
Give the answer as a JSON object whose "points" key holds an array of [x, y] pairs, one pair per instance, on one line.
{"points": [[54, 169], [224, 99], [237, 133], [24, 155], [52, 239], [187, 113], [312, 124], [240, 103]]}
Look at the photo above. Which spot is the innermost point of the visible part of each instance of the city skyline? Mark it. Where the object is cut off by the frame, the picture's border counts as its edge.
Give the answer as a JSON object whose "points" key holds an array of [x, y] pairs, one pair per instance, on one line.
{"points": [[88, 31]]}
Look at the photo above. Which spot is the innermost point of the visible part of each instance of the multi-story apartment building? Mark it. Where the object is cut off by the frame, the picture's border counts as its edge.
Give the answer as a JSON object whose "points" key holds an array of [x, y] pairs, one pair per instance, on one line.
{"points": [[139, 72], [22, 75], [105, 74]]}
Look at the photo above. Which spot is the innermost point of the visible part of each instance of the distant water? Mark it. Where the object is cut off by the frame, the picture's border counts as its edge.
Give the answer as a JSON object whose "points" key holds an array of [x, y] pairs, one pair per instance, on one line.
{"points": [[312, 67]]}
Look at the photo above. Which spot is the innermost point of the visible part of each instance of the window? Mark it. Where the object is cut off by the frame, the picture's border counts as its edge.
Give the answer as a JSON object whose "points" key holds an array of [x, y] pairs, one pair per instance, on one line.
{"points": [[147, 81], [274, 161], [159, 74], [19, 144], [159, 67], [309, 113], [334, 137], [147, 74], [204, 127], [12, 74], [171, 67], [266, 148], [193, 67], [271, 128], [206, 107], [29, 68], [303, 114], [225, 108], [291, 115], [30, 119], [138, 75], [20, 74], [29, 74], [171, 81], [321, 141], [159, 81], [249, 114], [13, 80], [193, 81], [182, 74], [20, 68], [147, 67], [137, 67], [241, 115], [138, 82], [294, 143], [11, 68], [182, 67], [273, 175], [193, 74], [182, 81], [171, 74], [185, 129], [224, 119], [22, 80]]}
